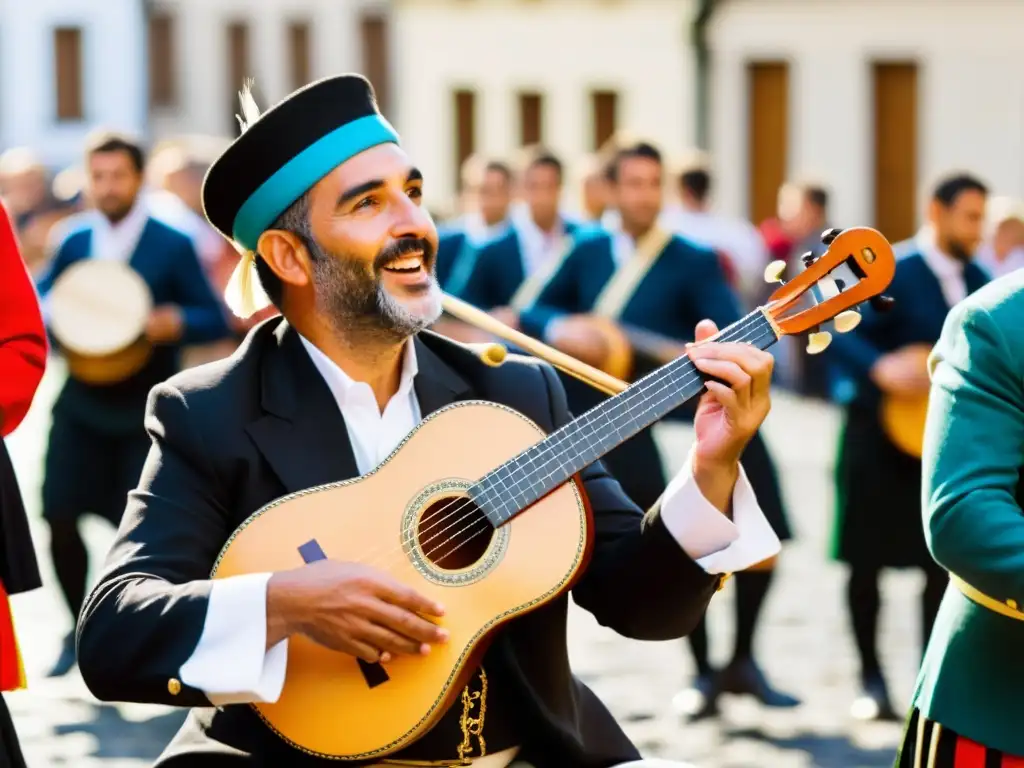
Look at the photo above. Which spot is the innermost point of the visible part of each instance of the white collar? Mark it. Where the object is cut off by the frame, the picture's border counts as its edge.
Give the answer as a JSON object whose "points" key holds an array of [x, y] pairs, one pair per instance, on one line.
{"points": [[342, 385], [940, 262], [134, 221]]}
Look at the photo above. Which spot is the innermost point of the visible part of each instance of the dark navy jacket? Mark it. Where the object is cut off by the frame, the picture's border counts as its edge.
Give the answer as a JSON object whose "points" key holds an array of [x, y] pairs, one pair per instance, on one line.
{"points": [[916, 318], [496, 271]]}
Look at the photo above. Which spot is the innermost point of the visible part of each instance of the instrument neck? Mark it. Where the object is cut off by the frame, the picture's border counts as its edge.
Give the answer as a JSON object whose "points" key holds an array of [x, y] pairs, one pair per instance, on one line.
{"points": [[537, 471]]}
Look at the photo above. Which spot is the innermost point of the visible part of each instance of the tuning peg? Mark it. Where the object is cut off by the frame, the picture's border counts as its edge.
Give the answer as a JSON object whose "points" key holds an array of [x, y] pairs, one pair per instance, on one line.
{"points": [[882, 303], [808, 258], [818, 341], [847, 321], [773, 272], [829, 235]]}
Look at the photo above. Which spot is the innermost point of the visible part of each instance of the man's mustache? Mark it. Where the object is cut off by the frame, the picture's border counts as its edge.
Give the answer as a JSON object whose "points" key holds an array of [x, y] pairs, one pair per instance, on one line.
{"points": [[403, 247]]}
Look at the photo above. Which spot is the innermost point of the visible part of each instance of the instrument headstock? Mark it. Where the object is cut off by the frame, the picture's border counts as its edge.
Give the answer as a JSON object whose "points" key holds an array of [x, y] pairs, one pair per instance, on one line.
{"points": [[862, 253]]}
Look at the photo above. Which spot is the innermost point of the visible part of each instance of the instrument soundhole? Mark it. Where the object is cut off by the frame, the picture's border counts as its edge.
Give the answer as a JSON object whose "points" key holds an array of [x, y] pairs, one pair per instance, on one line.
{"points": [[453, 533]]}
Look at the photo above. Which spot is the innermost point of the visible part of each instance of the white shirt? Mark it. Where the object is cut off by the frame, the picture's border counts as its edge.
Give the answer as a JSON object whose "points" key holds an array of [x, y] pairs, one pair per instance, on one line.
{"points": [[117, 242], [537, 246], [230, 663], [948, 269], [737, 239]]}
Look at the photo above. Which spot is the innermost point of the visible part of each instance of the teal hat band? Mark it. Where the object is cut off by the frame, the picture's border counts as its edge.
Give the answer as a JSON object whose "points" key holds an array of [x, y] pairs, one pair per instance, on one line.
{"points": [[295, 177]]}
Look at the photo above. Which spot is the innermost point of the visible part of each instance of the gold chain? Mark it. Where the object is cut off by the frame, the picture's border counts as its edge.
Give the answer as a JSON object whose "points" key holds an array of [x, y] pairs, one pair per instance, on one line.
{"points": [[473, 726]]}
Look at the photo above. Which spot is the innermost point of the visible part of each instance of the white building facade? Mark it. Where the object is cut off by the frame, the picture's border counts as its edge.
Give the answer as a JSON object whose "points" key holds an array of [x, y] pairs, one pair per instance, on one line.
{"points": [[66, 66], [202, 50], [873, 97], [488, 76]]}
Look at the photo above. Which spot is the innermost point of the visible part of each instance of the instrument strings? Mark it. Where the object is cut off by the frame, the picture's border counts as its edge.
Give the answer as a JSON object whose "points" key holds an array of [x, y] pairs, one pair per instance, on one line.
{"points": [[738, 333]]}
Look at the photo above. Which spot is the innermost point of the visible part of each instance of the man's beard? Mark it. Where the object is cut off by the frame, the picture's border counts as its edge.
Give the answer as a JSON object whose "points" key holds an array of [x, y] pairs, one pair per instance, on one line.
{"points": [[356, 301], [959, 252], [115, 210]]}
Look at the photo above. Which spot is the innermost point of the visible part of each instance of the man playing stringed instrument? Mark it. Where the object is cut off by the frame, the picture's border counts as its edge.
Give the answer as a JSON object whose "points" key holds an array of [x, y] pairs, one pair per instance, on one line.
{"points": [[327, 208], [885, 357]]}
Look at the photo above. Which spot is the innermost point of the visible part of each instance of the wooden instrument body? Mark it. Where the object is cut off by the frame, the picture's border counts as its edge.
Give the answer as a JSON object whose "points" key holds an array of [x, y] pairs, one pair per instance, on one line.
{"points": [[903, 416], [327, 707], [99, 313]]}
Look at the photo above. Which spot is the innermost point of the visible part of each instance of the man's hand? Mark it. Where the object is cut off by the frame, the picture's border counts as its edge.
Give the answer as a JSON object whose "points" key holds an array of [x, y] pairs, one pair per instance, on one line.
{"points": [[351, 608], [728, 414], [903, 372], [581, 337], [165, 324]]}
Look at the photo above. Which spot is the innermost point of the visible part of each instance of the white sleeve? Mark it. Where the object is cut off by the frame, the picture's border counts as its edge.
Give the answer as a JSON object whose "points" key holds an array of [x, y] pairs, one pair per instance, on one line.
{"points": [[231, 663], [718, 544]]}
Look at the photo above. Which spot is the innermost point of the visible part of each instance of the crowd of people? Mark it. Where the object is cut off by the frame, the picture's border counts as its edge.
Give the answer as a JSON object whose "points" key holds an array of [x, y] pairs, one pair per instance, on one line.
{"points": [[646, 254]]}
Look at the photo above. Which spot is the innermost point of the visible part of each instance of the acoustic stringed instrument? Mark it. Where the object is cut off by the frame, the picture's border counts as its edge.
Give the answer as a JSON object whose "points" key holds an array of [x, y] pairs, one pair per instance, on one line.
{"points": [[483, 512]]}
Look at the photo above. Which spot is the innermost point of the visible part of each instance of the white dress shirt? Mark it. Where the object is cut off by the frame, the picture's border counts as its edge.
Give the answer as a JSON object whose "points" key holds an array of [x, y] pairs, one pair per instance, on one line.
{"points": [[117, 242], [537, 246], [230, 663], [949, 270]]}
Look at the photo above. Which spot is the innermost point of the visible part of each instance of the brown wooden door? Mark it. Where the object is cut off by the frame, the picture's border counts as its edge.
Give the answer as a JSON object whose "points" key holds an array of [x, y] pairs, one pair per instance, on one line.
{"points": [[375, 58], [465, 130], [768, 135], [300, 57], [605, 109], [162, 61], [531, 119], [238, 69], [895, 148], [67, 48]]}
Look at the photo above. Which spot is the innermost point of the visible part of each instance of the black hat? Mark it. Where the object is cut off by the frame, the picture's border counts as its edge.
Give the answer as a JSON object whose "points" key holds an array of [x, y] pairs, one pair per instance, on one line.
{"points": [[279, 156]]}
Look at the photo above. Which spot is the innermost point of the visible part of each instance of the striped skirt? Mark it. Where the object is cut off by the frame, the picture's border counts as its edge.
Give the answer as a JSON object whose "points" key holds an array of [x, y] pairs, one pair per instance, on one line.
{"points": [[927, 744]]}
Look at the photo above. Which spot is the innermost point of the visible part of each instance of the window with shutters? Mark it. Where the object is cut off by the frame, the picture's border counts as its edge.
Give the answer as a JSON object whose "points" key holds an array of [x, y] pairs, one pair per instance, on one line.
{"points": [[67, 66], [604, 107], [531, 119], [162, 62], [238, 67], [374, 29], [465, 130], [299, 54]]}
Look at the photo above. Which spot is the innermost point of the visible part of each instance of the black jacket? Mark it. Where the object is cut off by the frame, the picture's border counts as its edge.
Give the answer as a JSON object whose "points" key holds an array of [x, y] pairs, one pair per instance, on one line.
{"points": [[232, 436]]}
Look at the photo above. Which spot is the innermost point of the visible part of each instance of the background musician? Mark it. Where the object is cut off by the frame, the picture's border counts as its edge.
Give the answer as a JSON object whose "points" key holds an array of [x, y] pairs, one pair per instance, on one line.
{"points": [[967, 706], [878, 486], [97, 443], [510, 270], [487, 204], [22, 363], [325, 393], [646, 277]]}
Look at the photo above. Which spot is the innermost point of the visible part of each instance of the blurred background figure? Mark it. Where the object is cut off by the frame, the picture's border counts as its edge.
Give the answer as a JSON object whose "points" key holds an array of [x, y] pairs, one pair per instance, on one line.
{"points": [[878, 476], [737, 242], [1003, 248]]}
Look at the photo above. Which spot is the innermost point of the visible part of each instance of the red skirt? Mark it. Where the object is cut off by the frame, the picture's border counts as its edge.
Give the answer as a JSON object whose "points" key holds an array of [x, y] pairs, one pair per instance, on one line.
{"points": [[940, 747]]}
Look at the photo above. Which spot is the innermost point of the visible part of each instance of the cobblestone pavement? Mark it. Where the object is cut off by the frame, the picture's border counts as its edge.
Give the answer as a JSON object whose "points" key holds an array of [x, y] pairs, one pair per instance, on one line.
{"points": [[804, 644]]}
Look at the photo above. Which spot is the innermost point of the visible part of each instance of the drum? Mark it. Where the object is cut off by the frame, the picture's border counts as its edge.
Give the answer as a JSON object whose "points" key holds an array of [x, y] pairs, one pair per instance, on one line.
{"points": [[903, 418], [98, 314]]}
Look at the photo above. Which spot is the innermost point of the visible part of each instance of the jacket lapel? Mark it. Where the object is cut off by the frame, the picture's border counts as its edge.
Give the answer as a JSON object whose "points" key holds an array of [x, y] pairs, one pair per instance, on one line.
{"points": [[302, 435], [436, 384]]}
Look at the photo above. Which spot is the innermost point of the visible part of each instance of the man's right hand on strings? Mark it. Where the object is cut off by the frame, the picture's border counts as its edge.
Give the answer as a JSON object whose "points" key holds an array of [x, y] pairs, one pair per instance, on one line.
{"points": [[352, 608]]}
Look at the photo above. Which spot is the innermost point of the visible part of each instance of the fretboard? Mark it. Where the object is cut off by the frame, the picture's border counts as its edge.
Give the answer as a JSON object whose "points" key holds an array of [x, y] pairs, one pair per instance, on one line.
{"points": [[537, 471]]}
